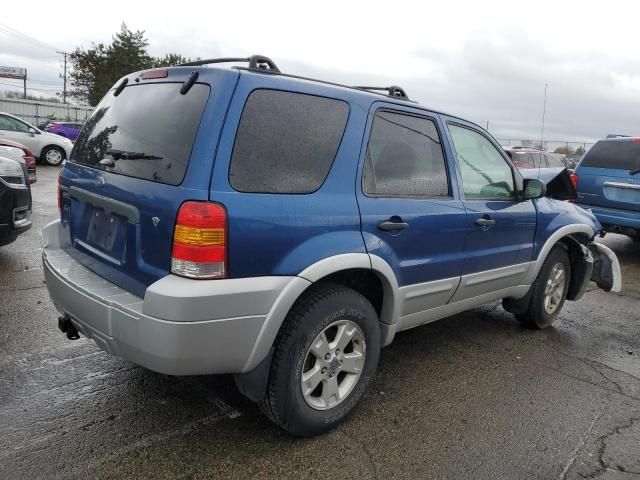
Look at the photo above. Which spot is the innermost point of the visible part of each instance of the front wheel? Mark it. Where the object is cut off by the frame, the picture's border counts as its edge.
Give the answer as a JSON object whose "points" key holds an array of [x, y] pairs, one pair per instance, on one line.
{"points": [[326, 356], [53, 155], [549, 290]]}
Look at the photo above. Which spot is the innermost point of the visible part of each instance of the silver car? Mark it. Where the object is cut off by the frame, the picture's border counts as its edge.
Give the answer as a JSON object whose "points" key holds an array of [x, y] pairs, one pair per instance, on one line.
{"points": [[49, 148]]}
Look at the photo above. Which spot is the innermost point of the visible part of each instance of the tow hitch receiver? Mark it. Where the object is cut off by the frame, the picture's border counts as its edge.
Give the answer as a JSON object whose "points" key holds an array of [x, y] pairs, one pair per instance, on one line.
{"points": [[65, 326], [606, 268]]}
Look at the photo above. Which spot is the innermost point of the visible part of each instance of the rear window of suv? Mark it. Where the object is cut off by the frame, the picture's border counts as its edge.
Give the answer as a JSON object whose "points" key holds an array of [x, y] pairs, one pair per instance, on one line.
{"points": [[615, 154], [286, 142], [147, 131]]}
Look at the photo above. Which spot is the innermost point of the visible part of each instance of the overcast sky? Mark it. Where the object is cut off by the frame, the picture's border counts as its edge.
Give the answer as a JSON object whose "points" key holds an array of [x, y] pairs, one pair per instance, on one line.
{"points": [[485, 61]]}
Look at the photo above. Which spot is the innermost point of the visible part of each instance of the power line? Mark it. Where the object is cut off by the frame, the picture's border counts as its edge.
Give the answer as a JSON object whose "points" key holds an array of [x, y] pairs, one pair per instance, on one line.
{"points": [[6, 30], [34, 41], [36, 82], [32, 89]]}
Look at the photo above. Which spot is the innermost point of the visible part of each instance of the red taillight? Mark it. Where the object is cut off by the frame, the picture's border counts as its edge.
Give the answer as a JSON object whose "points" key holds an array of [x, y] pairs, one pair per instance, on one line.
{"points": [[574, 180], [29, 159], [635, 139], [200, 241]]}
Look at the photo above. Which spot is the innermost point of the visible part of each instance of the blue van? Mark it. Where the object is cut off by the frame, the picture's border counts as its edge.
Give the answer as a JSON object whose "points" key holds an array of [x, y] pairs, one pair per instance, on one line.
{"points": [[284, 229], [608, 182]]}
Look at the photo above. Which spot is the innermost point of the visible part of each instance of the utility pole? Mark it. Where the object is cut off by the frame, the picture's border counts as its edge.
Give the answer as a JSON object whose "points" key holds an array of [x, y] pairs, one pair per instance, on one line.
{"points": [[25, 83], [64, 77], [544, 111]]}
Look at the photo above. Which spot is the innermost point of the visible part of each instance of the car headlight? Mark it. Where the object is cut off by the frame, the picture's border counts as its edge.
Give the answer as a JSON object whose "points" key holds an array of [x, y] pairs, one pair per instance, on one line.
{"points": [[11, 172]]}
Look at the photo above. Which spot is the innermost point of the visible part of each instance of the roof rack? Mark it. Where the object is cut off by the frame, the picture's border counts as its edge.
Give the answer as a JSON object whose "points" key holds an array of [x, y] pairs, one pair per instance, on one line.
{"points": [[392, 91], [264, 64], [256, 62]]}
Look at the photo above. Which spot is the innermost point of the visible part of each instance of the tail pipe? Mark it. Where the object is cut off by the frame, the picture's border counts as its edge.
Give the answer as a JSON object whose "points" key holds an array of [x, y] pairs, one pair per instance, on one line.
{"points": [[66, 327]]}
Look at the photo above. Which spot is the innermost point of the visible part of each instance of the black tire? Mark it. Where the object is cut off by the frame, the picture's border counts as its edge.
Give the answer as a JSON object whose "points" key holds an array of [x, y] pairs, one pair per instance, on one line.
{"points": [[536, 315], [49, 152], [317, 310]]}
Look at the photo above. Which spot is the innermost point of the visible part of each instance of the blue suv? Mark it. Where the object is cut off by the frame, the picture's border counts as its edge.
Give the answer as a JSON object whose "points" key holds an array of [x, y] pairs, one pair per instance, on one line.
{"points": [[608, 182], [284, 229]]}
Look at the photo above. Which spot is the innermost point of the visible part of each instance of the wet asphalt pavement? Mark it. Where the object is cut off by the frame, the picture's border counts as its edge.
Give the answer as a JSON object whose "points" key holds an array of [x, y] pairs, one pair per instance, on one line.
{"points": [[472, 396]]}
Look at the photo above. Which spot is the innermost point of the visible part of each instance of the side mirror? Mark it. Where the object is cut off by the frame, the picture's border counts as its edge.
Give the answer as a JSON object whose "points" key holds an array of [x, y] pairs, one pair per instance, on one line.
{"points": [[33, 131], [534, 188]]}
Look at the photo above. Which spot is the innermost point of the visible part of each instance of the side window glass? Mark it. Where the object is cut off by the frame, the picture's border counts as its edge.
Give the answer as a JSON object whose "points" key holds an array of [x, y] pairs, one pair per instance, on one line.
{"points": [[22, 127], [8, 123], [538, 160], [523, 160], [404, 158], [286, 142], [485, 172], [553, 161]]}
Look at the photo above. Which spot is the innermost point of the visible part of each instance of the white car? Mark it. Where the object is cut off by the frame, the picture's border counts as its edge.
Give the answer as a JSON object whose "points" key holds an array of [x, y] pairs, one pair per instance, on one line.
{"points": [[49, 148]]}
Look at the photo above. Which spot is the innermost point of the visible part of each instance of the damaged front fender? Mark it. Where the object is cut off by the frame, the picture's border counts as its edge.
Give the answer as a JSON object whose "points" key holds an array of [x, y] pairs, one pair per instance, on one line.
{"points": [[606, 268]]}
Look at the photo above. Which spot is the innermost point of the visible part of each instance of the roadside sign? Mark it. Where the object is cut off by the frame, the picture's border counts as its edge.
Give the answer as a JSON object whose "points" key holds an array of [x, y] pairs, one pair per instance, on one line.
{"points": [[13, 72]]}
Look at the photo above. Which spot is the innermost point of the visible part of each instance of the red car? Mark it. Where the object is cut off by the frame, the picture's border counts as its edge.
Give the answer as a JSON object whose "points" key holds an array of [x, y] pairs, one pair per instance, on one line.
{"points": [[528, 157], [22, 154]]}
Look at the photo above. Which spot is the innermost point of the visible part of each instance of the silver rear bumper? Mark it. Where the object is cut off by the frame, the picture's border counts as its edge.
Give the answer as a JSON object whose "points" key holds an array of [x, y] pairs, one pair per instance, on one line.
{"points": [[181, 327]]}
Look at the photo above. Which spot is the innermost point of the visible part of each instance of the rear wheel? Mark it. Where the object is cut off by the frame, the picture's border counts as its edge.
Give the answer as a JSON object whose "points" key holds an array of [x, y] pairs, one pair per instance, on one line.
{"points": [[326, 355], [53, 155], [549, 290]]}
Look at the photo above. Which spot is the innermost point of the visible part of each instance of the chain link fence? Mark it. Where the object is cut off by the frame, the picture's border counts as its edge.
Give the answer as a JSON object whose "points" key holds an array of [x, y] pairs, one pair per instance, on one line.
{"points": [[36, 111], [569, 152]]}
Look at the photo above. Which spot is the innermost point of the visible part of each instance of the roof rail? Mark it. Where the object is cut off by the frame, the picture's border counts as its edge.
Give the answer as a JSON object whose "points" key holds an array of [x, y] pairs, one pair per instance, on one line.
{"points": [[392, 91], [256, 62]]}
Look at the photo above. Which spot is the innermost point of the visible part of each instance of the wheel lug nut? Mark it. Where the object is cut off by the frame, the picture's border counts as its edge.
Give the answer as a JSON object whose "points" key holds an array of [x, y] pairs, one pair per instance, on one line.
{"points": [[324, 370], [327, 357]]}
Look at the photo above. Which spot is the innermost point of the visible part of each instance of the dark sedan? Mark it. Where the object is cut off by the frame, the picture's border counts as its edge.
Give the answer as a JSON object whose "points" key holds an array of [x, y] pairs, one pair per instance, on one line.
{"points": [[15, 200]]}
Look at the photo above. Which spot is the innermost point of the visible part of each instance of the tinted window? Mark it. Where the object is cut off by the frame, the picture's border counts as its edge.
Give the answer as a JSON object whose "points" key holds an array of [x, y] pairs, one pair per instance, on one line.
{"points": [[618, 154], [147, 130], [404, 157], [286, 142], [485, 172]]}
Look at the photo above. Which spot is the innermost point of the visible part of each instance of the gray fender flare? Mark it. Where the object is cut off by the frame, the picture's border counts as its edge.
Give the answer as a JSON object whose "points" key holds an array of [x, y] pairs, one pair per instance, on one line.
{"points": [[390, 306]]}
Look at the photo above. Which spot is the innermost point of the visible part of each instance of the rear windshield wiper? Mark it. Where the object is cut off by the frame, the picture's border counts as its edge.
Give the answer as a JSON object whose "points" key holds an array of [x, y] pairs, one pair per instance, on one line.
{"points": [[125, 155], [633, 172]]}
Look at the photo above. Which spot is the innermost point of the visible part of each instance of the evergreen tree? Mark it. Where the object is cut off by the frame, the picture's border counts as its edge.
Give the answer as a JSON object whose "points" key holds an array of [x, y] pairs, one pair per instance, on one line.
{"points": [[96, 69]]}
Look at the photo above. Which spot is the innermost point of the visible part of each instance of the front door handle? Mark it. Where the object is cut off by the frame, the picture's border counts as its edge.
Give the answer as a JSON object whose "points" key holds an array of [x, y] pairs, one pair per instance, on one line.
{"points": [[485, 222], [389, 226]]}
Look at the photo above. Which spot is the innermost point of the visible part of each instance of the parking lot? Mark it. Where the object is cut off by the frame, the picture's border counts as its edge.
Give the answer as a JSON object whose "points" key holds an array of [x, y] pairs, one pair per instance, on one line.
{"points": [[472, 396]]}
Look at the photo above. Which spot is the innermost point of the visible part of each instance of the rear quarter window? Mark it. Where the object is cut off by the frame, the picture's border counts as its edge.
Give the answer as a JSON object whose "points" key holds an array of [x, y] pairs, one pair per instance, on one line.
{"points": [[147, 131], [286, 142], [618, 154]]}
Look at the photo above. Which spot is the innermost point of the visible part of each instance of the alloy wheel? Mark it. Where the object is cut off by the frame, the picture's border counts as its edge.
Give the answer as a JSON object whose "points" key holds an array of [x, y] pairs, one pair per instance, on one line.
{"points": [[333, 365]]}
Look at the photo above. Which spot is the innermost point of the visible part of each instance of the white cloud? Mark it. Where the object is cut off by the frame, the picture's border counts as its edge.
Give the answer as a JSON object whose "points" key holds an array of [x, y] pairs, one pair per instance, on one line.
{"points": [[482, 60]]}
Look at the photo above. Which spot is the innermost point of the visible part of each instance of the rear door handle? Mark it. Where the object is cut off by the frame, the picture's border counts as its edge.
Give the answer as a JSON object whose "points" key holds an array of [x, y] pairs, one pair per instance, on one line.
{"points": [[485, 222], [389, 226]]}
